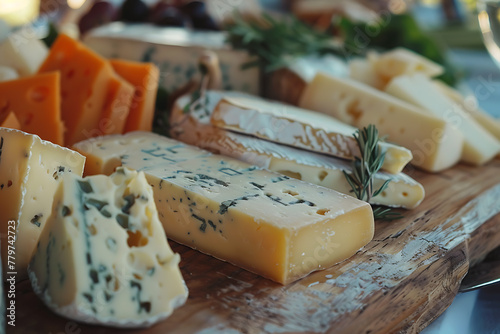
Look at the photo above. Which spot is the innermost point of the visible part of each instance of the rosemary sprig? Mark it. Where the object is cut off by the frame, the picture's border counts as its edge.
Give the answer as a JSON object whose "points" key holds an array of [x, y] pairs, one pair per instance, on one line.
{"points": [[365, 167], [276, 42]]}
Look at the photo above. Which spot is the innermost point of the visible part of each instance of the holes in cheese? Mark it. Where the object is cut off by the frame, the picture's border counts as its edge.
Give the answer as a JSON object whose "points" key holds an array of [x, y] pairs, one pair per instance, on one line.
{"points": [[237, 212], [195, 129], [35, 102], [434, 143], [101, 271], [30, 171]]}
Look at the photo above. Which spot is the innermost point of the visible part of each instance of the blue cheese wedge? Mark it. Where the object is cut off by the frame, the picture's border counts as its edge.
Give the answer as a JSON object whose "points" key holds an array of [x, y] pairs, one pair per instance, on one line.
{"points": [[194, 128], [176, 52], [30, 170], [276, 226], [103, 257], [300, 128]]}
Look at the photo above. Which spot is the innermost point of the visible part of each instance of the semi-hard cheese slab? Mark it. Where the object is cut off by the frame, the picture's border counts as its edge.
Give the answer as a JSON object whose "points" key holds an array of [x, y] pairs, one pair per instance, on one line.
{"points": [[264, 222], [194, 128], [436, 144], [103, 257], [300, 128], [30, 169]]}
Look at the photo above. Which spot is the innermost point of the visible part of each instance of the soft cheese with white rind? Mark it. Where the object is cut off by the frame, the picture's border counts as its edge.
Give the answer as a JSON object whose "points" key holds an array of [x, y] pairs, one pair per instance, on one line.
{"points": [[267, 223], [103, 257], [176, 52], [479, 145], [435, 144], [194, 128], [300, 128], [30, 169]]}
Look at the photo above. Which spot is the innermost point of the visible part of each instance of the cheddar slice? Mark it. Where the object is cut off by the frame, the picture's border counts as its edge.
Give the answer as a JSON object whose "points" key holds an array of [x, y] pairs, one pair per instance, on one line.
{"points": [[264, 222], [323, 170], [470, 105], [299, 128], [479, 145], [11, 122], [144, 77], [30, 169], [116, 106], [434, 143], [35, 101], [87, 87]]}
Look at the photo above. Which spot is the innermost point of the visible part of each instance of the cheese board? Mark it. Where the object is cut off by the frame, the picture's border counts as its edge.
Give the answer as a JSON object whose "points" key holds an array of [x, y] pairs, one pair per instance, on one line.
{"points": [[401, 281]]}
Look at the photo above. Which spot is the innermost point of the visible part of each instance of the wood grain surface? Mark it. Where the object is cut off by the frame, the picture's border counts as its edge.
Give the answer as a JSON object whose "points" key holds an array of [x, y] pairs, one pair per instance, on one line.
{"points": [[401, 281]]}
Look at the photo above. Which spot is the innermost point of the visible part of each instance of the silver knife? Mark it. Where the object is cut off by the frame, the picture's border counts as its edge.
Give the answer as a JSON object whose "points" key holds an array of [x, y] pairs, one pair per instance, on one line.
{"points": [[481, 275]]}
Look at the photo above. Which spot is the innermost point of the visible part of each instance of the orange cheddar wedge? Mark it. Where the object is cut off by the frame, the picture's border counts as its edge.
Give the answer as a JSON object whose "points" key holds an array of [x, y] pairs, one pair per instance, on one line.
{"points": [[144, 77], [86, 81], [116, 107], [35, 101], [11, 122]]}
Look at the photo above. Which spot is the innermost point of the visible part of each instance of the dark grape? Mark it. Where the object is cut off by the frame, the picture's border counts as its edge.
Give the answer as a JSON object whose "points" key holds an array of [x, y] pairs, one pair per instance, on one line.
{"points": [[169, 16], [194, 9], [101, 13], [204, 22], [134, 11]]}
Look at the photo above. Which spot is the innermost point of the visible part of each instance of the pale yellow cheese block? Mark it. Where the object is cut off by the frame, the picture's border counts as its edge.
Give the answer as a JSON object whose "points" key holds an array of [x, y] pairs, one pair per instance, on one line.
{"points": [[267, 223], [470, 105], [435, 144], [30, 169], [300, 128], [479, 145], [195, 129]]}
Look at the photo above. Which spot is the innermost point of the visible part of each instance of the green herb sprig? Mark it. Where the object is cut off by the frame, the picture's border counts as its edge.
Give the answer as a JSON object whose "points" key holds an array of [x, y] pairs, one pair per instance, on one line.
{"points": [[364, 169], [276, 42]]}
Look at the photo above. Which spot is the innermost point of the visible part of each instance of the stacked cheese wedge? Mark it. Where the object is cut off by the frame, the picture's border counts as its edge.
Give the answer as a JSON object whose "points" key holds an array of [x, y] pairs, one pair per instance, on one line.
{"points": [[299, 143], [77, 94], [395, 92]]}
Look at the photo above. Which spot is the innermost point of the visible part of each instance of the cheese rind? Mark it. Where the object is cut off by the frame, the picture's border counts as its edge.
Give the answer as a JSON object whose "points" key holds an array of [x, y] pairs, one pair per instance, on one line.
{"points": [[176, 52], [479, 145], [103, 257], [264, 222], [435, 144], [30, 169], [195, 129], [299, 128]]}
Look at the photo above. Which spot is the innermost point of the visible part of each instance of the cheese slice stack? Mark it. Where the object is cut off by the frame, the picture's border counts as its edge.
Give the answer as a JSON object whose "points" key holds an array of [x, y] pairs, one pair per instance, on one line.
{"points": [[103, 257], [435, 144], [94, 100], [194, 128], [300, 128], [30, 169], [479, 145], [277, 227]]}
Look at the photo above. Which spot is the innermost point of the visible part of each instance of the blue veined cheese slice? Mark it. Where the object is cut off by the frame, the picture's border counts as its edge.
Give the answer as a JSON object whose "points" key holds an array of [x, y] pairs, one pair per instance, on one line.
{"points": [[300, 128], [176, 52], [479, 145], [30, 169], [194, 128], [103, 257], [435, 144], [271, 224]]}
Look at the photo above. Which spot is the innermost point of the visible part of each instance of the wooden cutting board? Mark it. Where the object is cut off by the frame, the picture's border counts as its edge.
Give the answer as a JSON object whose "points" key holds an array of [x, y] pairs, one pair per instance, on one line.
{"points": [[401, 281]]}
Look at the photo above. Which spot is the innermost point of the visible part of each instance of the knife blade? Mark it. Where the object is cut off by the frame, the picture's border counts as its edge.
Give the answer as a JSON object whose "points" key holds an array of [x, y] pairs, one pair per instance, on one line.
{"points": [[481, 275]]}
